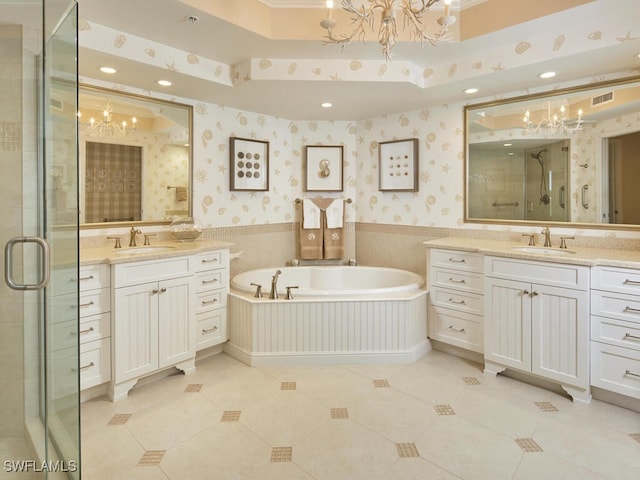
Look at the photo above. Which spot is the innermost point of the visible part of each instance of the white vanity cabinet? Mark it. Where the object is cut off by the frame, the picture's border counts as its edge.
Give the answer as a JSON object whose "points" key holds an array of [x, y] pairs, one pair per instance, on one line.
{"points": [[153, 324], [615, 330], [456, 298], [536, 319], [211, 289]]}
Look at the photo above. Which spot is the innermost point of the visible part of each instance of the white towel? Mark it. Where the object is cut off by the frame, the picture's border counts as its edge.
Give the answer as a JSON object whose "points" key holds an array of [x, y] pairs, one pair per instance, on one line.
{"points": [[335, 214], [310, 214]]}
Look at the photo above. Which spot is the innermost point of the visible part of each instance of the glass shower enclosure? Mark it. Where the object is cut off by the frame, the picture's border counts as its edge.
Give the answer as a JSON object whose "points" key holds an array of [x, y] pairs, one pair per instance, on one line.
{"points": [[39, 381]]}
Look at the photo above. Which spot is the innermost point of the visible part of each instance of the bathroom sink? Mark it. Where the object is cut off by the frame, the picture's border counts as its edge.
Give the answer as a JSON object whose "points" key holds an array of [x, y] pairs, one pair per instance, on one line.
{"points": [[143, 249], [542, 250]]}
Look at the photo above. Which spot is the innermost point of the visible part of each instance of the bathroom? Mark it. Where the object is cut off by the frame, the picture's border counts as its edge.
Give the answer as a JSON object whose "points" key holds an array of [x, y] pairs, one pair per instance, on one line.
{"points": [[385, 229]]}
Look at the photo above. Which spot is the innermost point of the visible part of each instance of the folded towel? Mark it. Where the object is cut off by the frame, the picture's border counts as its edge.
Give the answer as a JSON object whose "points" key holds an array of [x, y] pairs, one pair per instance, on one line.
{"points": [[182, 194], [310, 243], [335, 214], [333, 242], [310, 214]]}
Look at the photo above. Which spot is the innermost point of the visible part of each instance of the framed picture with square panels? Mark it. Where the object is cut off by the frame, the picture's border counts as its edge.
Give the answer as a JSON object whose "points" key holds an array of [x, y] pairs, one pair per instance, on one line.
{"points": [[398, 165], [249, 164]]}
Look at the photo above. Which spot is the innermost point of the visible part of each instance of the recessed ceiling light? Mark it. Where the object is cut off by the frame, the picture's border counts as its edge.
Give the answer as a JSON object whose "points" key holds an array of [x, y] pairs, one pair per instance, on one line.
{"points": [[326, 104], [164, 83], [547, 75], [638, 55], [508, 145], [470, 90], [107, 70]]}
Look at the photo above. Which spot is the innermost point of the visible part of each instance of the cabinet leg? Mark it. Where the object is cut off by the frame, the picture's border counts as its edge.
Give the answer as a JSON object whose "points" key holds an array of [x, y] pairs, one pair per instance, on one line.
{"points": [[493, 368], [580, 395], [120, 391], [188, 366]]}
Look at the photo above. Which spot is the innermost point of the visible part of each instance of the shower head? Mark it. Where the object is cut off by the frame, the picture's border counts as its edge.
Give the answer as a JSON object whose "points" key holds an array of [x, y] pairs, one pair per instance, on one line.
{"points": [[537, 155]]}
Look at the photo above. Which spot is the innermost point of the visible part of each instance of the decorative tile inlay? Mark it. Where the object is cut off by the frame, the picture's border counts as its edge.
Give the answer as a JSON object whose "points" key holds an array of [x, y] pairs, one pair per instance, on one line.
{"points": [[546, 406], [281, 454], [407, 450], [339, 413], [471, 380], [151, 458], [444, 410], [231, 416], [528, 445], [288, 386], [193, 387], [635, 436], [120, 419], [381, 383]]}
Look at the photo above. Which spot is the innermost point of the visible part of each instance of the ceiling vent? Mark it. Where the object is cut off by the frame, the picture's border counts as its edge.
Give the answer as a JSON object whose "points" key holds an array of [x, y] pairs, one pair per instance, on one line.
{"points": [[602, 99]]}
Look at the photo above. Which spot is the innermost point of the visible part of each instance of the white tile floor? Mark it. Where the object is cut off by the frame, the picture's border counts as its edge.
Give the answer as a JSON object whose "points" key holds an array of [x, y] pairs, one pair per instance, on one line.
{"points": [[438, 418]]}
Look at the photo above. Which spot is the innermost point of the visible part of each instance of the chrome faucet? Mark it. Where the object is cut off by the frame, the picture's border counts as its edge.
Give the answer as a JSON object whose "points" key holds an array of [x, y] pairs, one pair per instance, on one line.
{"points": [[547, 236], [274, 286], [132, 236]]}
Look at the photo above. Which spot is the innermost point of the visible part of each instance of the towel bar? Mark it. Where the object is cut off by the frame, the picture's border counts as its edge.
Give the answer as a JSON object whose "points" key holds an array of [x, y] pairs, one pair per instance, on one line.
{"points": [[347, 200]]}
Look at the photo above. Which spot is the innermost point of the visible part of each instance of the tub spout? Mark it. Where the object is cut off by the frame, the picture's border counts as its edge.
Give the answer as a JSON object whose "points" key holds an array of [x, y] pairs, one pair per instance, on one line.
{"points": [[274, 285]]}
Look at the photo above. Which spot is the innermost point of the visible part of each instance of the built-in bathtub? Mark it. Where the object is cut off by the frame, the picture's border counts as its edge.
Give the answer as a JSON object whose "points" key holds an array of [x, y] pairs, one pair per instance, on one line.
{"points": [[339, 315]]}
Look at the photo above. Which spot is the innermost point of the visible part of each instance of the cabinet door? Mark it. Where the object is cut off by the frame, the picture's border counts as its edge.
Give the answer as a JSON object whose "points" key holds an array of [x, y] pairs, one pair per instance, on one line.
{"points": [[507, 323], [136, 331], [176, 334], [560, 334]]}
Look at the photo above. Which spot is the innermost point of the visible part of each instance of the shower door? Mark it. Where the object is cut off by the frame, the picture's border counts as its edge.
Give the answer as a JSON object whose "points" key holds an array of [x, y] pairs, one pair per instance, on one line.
{"points": [[39, 382]]}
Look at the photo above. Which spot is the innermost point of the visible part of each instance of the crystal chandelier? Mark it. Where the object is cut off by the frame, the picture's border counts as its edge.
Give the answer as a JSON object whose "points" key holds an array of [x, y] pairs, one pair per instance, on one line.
{"points": [[365, 15], [107, 127], [551, 123]]}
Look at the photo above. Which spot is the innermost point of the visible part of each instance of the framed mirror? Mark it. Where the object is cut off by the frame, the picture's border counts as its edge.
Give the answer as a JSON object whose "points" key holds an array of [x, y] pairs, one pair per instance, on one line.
{"points": [[135, 159], [570, 156]]}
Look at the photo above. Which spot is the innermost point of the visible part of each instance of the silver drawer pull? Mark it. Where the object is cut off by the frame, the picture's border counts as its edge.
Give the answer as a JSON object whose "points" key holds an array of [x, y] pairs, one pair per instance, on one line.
{"points": [[204, 282], [461, 302], [632, 310], [207, 302], [90, 277], [210, 260], [82, 332], [630, 282], [628, 335], [631, 374], [459, 330], [86, 304], [457, 281], [84, 367], [454, 260], [209, 330]]}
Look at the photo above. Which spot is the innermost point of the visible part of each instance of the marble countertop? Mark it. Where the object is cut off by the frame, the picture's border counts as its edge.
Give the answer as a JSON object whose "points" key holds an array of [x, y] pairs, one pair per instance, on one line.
{"points": [[110, 255], [573, 255]]}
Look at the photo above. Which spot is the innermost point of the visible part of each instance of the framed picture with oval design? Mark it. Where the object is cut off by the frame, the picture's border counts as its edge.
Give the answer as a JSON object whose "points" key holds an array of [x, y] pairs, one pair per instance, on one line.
{"points": [[249, 164], [324, 165], [398, 165]]}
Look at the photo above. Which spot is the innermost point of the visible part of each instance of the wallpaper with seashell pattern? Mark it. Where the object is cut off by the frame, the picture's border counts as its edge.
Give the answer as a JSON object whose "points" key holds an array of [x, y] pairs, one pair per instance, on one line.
{"points": [[439, 129]]}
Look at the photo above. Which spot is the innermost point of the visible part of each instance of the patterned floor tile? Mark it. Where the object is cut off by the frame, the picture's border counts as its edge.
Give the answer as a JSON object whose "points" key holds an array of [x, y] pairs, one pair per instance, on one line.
{"points": [[528, 445], [381, 383], [231, 416], [339, 413], [288, 386], [444, 410], [281, 454], [120, 419], [471, 380], [407, 450], [546, 406], [193, 388], [151, 458]]}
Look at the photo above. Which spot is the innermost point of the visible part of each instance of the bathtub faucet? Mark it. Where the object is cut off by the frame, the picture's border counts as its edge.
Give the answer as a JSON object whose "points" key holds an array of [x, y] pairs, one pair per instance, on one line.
{"points": [[274, 286]]}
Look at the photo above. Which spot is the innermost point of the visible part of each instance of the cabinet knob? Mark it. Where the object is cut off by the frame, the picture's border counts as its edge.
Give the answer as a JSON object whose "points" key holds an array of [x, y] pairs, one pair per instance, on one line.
{"points": [[534, 294], [163, 289], [525, 292], [154, 291]]}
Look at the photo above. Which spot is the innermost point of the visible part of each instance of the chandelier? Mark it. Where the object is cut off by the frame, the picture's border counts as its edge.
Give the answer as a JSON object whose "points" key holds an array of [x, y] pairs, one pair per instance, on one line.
{"points": [[107, 127], [365, 16], [552, 123]]}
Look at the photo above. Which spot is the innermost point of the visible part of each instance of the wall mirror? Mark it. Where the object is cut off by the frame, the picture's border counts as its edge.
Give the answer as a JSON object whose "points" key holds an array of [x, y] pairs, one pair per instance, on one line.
{"points": [[566, 156], [135, 159]]}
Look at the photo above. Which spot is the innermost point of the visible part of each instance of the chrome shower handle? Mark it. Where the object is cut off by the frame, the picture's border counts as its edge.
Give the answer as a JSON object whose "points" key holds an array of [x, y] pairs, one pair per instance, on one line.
{"points": [[8, 263]]}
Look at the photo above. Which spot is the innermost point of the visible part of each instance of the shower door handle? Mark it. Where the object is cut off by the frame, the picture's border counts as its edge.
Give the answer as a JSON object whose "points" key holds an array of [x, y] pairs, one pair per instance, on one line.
{"points": [[585, 204], [563, 192], [8, 263]]}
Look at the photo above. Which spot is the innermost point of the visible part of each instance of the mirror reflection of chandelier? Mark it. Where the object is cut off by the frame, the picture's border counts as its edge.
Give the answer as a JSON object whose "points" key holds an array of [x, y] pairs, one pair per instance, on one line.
{"points": [[107, 127], [365, 15], [552, 123]]}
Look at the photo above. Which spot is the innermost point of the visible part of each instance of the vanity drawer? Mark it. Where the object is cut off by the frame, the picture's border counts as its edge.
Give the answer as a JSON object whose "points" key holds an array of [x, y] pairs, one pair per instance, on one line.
{"points": [[460, 301], [210, 329], [457, 279], [456, 328], [94, 327], [95, 302], [94, 276], [211, 280], [622, 280], [210, 300], [616, 369], [616, 305], [545, 273], [469, 261], [95, 363], [145, 271], [211, 260]]}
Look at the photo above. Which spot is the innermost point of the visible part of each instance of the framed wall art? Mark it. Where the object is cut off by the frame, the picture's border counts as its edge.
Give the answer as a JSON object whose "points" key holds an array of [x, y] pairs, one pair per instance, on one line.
{"points": [[248, 164], [398, 165], [324, 164]]}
